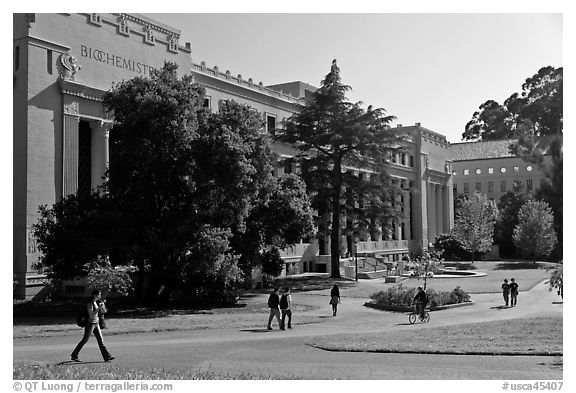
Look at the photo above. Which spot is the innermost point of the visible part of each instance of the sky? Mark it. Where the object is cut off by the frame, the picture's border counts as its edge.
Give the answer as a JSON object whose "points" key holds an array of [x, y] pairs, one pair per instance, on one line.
{"points": [[434, 69]]}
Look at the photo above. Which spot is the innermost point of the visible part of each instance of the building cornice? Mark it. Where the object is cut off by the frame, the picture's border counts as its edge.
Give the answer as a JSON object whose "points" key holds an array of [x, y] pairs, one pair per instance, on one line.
{"points": [[76, 89]]}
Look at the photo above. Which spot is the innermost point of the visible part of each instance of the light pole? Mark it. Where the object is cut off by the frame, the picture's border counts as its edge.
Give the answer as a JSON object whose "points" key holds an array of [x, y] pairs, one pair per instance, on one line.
{"points": [[356, 255]]}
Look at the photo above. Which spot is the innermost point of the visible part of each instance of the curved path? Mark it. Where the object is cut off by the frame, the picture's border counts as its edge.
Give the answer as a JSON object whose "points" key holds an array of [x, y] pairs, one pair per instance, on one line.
{"points": [[285, 353]]}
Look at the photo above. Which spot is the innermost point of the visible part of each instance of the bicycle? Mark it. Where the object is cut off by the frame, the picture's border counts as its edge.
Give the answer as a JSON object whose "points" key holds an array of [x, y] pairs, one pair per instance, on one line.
{"points": [[414, 314]]}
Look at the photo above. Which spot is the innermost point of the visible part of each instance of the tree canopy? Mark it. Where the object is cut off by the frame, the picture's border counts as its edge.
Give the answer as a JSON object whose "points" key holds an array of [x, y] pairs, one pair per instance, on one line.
{"points": [[534, 235], [474, 223], [337, 135], [537, 111], [181, 187]]}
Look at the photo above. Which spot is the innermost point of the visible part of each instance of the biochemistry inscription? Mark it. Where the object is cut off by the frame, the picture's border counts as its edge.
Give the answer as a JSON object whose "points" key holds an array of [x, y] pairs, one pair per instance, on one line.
{"points": [[114, 60]]}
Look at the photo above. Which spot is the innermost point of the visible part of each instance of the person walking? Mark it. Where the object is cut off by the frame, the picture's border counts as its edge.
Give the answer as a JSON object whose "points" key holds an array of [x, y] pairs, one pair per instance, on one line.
{"points": [[273, 304], [93, 326], [285, 303], [513, 292], [334, 299], [506, 291]]}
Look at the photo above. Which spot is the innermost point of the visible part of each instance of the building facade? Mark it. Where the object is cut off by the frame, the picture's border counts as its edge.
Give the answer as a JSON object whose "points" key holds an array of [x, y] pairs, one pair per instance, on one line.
{"points": [[490, 168], [63, 65]]}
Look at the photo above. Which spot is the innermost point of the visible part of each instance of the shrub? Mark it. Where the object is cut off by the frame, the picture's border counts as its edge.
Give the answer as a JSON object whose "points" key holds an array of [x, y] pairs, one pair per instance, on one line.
{"points": [[402, 296], [450, 248]]}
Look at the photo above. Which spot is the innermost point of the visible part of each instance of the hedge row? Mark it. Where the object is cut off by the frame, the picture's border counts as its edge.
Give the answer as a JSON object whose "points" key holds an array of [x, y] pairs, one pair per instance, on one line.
{"points": [[402, 296]]}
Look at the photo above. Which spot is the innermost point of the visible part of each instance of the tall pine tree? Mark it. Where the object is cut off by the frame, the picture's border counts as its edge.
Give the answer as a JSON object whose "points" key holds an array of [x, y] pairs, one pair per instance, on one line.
{"points": [[337, 134]]}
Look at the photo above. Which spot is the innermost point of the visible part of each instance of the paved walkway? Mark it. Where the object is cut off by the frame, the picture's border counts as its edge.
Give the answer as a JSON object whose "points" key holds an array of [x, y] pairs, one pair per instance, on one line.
{"points": [[284, 353]]}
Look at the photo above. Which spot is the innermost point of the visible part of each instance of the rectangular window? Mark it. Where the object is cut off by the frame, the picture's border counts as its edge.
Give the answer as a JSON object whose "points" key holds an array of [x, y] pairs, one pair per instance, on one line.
{"points": [[411, 161], [403, 158], [503, 186], [16, 58], [207, 103], [466, 189], [490, 186], [270, 124], [466, 172], [490, 170], [288, 165], [529, 185], [49, 61], [455, 189], [478, 186], [517, 185]]}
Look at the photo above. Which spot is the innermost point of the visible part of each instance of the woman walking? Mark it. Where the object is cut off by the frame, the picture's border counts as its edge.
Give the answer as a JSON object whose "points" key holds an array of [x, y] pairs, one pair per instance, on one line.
{"points": [[334, 299], [92, 326]]}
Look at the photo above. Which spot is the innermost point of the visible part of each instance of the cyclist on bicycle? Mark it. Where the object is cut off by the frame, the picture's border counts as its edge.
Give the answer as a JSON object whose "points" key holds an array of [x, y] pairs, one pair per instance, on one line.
{"points": [[421, 301]]}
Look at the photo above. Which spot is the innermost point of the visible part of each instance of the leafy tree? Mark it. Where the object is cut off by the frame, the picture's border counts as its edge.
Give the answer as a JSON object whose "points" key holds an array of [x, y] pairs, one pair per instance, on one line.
{"points": [[336, 134], [536, 112], [534, 235], [450, 248], [474, 224], [151, 163], [508, 208], [75, 232], [534, 118], [102, 275]]}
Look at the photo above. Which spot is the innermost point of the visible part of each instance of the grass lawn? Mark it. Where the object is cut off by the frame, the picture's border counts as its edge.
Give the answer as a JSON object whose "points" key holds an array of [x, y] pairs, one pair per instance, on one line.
{"points": [[105, 371], [541, 335], [253, 315], [526, 274]]}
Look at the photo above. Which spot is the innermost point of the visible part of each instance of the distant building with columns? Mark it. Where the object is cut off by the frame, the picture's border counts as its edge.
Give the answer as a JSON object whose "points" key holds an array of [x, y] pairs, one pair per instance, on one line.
{"points": [[63, 65]]}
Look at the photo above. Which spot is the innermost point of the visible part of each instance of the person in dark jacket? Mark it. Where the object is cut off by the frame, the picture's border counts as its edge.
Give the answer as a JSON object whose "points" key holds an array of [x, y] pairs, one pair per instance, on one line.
{"points": [[421, 301], [506, 291], [334, 299], [285, 304], [274, 305], [513, 292]]}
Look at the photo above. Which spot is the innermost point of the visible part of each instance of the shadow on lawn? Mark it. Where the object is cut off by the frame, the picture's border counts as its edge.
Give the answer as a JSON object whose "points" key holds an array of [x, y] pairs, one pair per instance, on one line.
{"points": [[518, 266], [312, 283]]}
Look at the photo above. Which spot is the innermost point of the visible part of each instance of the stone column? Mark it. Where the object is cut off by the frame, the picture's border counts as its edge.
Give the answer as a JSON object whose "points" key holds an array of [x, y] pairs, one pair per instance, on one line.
{"points": [[445, 210], [70, 148], [439, 210], [100, 152], [430, 207]]}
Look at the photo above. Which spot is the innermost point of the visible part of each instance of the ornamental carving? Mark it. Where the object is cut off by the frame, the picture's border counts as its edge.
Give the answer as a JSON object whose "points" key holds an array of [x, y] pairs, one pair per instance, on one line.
{"points": [[73, 108], [172, 43], [69, 66], [123, 25], [148, 35]]}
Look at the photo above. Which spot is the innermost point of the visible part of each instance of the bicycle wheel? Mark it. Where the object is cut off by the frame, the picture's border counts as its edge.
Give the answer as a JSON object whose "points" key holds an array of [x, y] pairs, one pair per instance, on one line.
{"points": [[426, 318], [412, 318]]}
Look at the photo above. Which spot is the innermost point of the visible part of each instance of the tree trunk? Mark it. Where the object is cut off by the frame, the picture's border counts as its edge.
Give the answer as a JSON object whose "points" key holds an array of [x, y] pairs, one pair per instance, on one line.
{"points": [[335, 232]]}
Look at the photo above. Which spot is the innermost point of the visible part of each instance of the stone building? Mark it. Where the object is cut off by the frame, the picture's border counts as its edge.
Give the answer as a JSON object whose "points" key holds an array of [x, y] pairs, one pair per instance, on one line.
{"points": [[490, 168], [63, 64]]}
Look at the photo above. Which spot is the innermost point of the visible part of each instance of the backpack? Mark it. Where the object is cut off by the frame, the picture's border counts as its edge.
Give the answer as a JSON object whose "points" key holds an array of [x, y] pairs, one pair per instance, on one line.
{"points": [[273, 301], [82, 316], [284, 302]]}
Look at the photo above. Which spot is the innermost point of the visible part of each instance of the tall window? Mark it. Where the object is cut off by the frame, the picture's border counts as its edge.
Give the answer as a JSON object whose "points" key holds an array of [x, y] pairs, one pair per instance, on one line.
{"points": [[503, 186], [16, 58], [270, 124], [529, 185], [411, 161], [49, 61], [478, 186], [466, 189], [517, 185], [490, 186]]}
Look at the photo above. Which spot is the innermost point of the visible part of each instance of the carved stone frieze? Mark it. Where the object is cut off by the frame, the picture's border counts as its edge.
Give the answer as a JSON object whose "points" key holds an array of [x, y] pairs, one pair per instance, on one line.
{"points": [[72, 108]]}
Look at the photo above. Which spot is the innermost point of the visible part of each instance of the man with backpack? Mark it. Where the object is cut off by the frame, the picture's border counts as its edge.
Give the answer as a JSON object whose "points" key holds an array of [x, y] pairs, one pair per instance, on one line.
{"points": [[285, 302], [273, 304]]}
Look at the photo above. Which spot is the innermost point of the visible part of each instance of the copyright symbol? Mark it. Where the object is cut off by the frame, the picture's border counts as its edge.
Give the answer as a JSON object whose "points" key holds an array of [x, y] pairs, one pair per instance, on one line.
{"points": [[17, 386]]}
